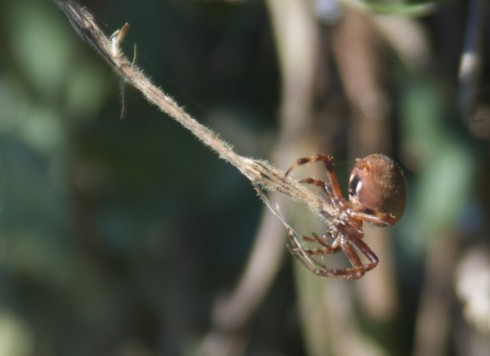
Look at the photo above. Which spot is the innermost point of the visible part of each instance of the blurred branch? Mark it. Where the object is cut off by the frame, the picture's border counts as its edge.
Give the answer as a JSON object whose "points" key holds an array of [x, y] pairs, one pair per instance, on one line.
{"points": [[297, 38], [231, 315], [294, 30], [355, 44], [432, 329], [471, 106], [470, 66]]}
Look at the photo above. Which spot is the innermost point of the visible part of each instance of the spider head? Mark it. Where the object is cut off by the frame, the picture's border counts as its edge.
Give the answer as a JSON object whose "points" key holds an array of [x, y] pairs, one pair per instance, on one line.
{"points": [[376, 184]]}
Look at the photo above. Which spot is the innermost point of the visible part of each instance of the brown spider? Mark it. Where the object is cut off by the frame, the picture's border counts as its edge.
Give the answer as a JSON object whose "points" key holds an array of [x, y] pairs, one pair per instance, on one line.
{"points": [[376, 194]]}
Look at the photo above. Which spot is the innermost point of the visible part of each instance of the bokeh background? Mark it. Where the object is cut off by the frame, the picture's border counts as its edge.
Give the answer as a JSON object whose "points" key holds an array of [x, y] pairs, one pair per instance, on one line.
{"points": [[126, 236]]}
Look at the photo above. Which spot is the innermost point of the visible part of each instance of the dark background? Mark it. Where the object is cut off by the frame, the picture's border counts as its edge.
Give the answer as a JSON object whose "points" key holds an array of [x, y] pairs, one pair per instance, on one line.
{"points": [[120, 236]]}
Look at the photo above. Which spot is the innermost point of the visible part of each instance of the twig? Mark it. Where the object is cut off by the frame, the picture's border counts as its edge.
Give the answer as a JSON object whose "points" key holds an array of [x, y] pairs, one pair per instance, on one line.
{"points": [[470, 66], [295, 31], [260, 173]]}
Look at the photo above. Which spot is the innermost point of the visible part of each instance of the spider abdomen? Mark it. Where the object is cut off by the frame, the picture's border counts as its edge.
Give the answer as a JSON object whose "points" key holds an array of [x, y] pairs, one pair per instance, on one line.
{"points": [[376, 184]]}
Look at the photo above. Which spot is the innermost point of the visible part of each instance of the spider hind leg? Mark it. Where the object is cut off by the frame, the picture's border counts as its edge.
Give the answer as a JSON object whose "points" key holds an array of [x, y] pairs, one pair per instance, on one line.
{"points": [[306, 256]]}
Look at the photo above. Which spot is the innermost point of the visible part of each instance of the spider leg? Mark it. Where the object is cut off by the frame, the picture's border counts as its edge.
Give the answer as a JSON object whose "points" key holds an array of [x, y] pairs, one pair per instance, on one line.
{"points": [[332, 177], [327, 188], [333, 187], [366, 251], [311, 264], [305, 257], [319, 183], [321, 241], [358, 269], [300, 162], [324, 248], [375, 217]]}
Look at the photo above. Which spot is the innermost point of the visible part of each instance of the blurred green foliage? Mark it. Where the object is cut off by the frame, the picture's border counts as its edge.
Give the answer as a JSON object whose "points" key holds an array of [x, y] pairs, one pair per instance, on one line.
{"points": [[403, 7], [117, 235]]}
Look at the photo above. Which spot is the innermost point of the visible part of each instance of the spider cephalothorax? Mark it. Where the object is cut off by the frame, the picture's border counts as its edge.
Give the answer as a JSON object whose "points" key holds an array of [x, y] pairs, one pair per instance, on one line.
{"points": [[376, 195]]}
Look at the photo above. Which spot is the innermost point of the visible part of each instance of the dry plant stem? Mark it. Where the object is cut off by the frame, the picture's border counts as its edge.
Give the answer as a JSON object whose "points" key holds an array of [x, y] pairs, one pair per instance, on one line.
{"points": [[407, 38], [432, 329], [297, 73], [470, 66], [355, 46], [232, 313], [259, 172]]}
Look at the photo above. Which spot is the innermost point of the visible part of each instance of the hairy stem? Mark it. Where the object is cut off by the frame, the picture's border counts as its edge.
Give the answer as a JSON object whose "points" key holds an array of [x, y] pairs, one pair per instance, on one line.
{"points": [[260, 173]]}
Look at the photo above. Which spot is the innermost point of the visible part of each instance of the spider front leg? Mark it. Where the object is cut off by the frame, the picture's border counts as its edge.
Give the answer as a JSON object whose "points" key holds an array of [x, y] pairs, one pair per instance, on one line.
{"points": [[338, 203], [332, 188]]}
